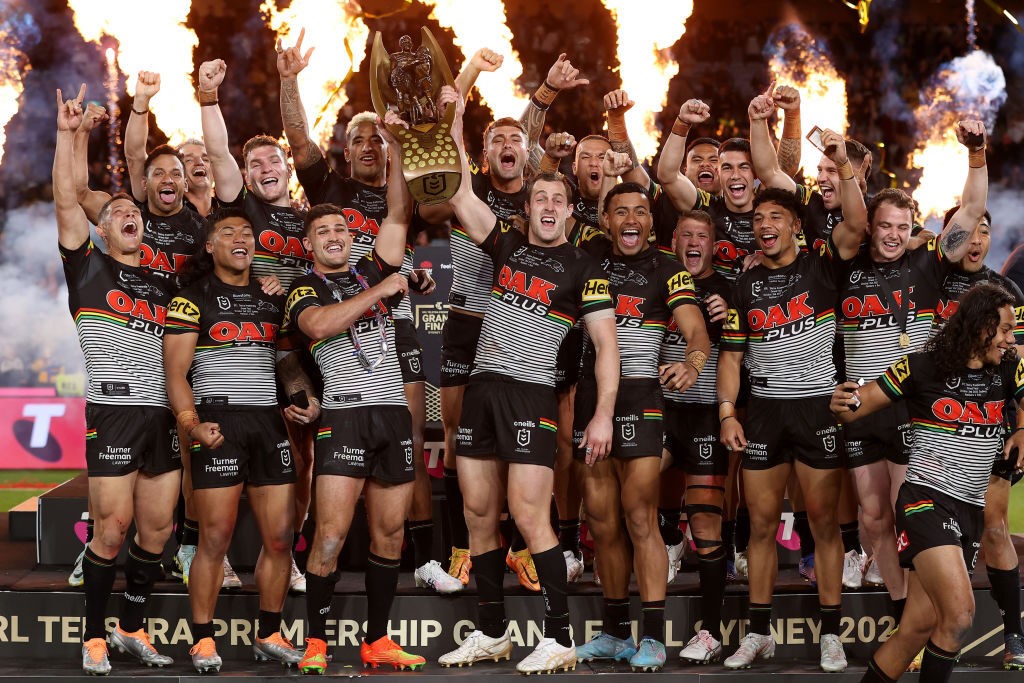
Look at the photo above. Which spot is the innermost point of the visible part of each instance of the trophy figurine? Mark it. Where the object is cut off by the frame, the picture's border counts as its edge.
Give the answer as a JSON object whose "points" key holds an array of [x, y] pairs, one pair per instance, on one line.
{"points": [[408, 82]]}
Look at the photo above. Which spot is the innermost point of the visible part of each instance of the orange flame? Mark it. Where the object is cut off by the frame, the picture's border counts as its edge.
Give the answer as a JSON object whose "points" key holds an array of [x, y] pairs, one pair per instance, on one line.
{"points": [[478, 24], [646, 31], [797, 59], [152, 36], [13, 66], [338, 33], [943, 164]]}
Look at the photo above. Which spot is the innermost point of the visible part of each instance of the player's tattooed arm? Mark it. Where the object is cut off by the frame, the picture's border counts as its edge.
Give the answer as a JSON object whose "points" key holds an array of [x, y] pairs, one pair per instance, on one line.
{"points": [[291, 61], [561, 76], [787, 98], [956, 236]]}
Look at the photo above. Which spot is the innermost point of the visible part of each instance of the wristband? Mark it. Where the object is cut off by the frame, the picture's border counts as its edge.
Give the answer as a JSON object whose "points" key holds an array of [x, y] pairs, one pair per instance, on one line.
{"points": [[720, 421], [545, 95], [140, 113], [617, 127], [723, 402], [187, 421], [845, 170], [548, 164], [791, 126], [696, 360], [680, 127], [976, 158], [207, 98]]}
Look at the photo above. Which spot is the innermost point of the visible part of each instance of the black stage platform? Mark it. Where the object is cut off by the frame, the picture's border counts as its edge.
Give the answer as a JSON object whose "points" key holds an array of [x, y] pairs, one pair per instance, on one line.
{"points": [[41, 622]]}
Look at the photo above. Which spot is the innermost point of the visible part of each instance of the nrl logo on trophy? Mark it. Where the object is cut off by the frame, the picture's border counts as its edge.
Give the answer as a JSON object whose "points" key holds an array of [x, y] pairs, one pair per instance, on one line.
{"points": [[408, 82]]}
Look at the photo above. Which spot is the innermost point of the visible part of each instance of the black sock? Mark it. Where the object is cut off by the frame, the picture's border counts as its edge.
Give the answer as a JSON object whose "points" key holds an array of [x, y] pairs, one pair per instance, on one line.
{"points": [[550, 566], [711, 568], [569, 535], [381, 582], [850, 531], [319, 591], [802, 528], [668, 525], [830, 617], [455, 509], [98, 573], [489, 572], [518, 543], [742, 530], [760, 615], [270, 623], [937, 664], [653, 623], [1006, 592], [897, 609], [421, 532], [90, 524], [200, 631], [190, 532], [874, 674], [616, 621], [141, 571], [729, 538]]}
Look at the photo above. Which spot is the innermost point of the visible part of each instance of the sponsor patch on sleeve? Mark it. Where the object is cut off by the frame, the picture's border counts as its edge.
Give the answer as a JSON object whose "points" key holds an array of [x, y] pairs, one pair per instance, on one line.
{"points": [[596, 290], [183, 309]]}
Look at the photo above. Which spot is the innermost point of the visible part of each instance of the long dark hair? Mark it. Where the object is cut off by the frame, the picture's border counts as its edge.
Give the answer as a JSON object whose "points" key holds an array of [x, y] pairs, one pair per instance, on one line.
{"points": [[199, 264], [971, 329]]}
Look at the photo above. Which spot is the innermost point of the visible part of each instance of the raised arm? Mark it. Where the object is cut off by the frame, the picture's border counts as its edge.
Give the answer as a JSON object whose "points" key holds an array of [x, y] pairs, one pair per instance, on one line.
{"points": [[290, 61], [72, 225], [956, 236], [616, 104], [762, 151], [136, 133], [90, 200], [482, 60], [561, 76], [787, 98], [677, 186], [227, 177], [391, 237], [475, 217], [851, 231]]}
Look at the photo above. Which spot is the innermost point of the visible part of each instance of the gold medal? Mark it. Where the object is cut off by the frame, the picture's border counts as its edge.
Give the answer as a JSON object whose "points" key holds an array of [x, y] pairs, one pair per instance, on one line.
{"points": [[904, 340]]}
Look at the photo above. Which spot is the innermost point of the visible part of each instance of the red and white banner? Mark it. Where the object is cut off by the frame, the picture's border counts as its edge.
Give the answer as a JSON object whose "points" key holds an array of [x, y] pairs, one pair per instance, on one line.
{"points": [[39, 430]]}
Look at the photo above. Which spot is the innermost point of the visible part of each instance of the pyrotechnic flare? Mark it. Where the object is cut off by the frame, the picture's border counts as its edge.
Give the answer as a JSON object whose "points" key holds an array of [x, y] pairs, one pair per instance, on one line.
{"points": [[646, 32], [151, 36], [13, 66]]}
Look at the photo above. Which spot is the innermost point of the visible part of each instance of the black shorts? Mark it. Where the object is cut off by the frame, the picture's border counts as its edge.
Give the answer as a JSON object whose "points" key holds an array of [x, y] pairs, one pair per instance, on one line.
{"points": [[120, 440], [638, 425], [884, 435], [567, 363], [780, 430], [927, 518], [367, 442], [410, 353], [691, 437], [513, 420], [255, 449], [458, 347]]}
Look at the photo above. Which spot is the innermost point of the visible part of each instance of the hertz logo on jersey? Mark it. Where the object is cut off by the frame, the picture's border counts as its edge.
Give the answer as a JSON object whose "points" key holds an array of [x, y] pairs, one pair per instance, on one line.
{"points": [[1018, 376], [681, 281], [298, 294], [183, 309], [596, 290], [732, 320]]}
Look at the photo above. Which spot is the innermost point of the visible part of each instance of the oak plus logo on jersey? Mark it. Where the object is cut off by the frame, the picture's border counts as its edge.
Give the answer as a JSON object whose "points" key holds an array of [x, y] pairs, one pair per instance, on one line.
{"points": [[874, 312], [975, 419], [244, 332], [527, 292], [161, 261], [627, 310], [360, 223], [288, 248], [780, 321], [142, 315]]}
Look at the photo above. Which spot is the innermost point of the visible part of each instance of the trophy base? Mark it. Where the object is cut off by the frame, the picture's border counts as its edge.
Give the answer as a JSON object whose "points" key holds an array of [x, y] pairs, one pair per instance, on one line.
{"points": [[431, 162]]}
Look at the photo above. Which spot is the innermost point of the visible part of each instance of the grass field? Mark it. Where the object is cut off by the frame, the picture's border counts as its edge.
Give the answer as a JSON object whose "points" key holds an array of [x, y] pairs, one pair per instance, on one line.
{"points": [[20, 485]]}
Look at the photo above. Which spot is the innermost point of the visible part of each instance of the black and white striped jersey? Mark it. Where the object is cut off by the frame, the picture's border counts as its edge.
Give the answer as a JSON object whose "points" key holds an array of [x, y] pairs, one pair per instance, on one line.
{"points": [[646, 289], [537, 295], [278, 231], [785, 322], [364, 208], [236, 350], [347, 382], [818, 222], [869, 321], [958, 282], [168, 241], [957, 422], [119, 314], [673, 348], [472, 269], [734, 231]]}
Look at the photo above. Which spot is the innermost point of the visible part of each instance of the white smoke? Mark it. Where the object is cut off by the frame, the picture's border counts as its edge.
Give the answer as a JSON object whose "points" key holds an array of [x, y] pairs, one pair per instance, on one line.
{"points": [[35, 316]]}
